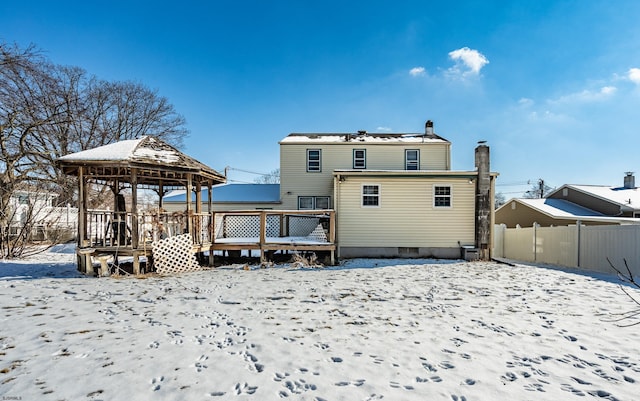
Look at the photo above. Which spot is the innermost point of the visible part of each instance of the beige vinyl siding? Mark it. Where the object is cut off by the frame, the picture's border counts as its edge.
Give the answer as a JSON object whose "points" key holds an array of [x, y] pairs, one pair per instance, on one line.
{"points": [[296, 181], [181, 206], [406, 216]]}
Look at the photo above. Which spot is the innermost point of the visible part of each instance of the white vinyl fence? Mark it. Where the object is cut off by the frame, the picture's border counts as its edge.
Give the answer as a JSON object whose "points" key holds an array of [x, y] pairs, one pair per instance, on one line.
{"points": [[579, 246]]}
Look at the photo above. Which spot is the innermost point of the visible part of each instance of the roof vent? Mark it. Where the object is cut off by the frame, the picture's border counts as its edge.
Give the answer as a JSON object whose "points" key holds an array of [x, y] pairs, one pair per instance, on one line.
{"points": [[362, 132], [629, 180], [428, 127]]}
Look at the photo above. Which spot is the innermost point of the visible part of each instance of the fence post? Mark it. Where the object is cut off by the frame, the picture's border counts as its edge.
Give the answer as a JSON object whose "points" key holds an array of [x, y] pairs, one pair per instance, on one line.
{"points": [[578, 239], [535, 241]]}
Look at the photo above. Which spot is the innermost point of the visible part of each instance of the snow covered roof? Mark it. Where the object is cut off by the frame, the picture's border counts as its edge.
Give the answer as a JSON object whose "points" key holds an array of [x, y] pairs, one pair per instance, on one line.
{"points": [[361, 137], [625, 197], [563, 209], [559, 208], [155, 160], [233, 193]]}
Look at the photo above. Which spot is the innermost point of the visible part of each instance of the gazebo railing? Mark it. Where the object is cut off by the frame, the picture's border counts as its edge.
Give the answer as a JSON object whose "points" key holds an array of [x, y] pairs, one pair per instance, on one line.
{"points": [[106, 228]]}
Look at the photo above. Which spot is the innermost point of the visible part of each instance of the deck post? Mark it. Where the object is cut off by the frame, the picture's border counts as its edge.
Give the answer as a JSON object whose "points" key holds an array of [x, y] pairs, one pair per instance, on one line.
{"points": [[212, 230], [263, 236], [332, 234]]}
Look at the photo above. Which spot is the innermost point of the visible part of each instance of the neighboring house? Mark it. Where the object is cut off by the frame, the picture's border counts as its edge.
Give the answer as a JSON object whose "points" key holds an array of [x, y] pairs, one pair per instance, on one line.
{"points": [[589, 204], [394, 194], [35, 210], [548, 212], [229, 197], [621, 201]]}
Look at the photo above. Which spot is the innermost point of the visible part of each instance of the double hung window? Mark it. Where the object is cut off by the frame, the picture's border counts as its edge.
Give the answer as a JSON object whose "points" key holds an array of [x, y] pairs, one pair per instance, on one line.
{"points": [[359, 158], [412, 159], [371, 195], [314, 160], [442, 196]]}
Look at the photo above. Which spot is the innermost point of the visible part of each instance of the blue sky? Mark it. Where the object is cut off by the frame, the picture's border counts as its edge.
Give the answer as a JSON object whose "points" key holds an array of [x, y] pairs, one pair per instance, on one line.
{"points": [[552, 86]]}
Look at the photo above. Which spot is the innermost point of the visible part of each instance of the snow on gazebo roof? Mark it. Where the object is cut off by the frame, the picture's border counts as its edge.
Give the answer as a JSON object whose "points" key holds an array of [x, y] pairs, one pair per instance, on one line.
{"points": [[154, 160]]}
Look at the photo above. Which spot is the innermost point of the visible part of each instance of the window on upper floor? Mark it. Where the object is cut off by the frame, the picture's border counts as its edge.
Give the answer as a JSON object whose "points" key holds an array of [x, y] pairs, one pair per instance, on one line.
{"points": [[359, 158], [314, 160], [442, 196], [412, 159], [371, 195]]}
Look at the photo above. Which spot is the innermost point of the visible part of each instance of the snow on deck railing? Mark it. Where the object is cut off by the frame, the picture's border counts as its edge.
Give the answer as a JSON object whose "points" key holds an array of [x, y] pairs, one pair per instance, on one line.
{"points": [[106, 228]]}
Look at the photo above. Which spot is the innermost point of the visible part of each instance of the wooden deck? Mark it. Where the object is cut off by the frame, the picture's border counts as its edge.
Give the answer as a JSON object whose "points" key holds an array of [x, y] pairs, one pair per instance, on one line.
{"points": [[266, 231]]}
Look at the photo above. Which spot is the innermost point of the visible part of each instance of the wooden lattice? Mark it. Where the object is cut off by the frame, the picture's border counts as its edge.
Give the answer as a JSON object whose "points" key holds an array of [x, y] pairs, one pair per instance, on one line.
{"points": [[249, 226], [173, 255], [319, 234], [302, 226]]}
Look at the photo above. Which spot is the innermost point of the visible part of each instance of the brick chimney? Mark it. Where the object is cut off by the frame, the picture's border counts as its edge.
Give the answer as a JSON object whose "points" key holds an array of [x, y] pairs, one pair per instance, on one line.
{"points": [[483, 201], [629, 180], [428, 127]]}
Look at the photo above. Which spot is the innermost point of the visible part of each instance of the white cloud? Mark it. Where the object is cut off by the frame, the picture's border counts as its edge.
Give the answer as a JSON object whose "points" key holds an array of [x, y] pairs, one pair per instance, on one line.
{"points": [[526, 102], [634, 75], [608, 90], [383, 129], [468, 62], [417, 71], [587, 96]]}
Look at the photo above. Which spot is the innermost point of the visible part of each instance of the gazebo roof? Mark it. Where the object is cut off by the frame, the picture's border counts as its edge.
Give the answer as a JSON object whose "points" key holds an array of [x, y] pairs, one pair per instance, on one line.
{"points": [[156, 163]]}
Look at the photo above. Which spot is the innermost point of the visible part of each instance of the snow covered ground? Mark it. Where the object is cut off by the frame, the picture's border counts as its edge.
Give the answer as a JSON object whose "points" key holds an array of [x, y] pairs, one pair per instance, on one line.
{"points": [[366, 330]]}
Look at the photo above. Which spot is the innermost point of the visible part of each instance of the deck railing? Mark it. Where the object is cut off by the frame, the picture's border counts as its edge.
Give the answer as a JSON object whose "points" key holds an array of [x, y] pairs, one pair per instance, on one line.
{"points": [[105, 228]]}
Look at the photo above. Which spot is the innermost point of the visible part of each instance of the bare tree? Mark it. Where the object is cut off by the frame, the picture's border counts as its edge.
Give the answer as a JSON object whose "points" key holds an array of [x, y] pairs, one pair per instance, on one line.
{"points": [[499, 200], [627, 278], [538, 190], [272, 177], [23, 84], [48, 111]]}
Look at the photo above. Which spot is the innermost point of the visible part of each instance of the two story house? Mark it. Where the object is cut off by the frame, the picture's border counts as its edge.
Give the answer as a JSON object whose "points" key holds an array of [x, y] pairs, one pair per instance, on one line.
{"points": [[394, 194]]}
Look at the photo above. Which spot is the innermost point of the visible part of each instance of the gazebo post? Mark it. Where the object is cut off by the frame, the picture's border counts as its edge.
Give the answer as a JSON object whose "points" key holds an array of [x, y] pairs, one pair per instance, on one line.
{"points": [[197, 235], [134, 219], [84, 258], [160, 194], [212, 221], [189, 207]]}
